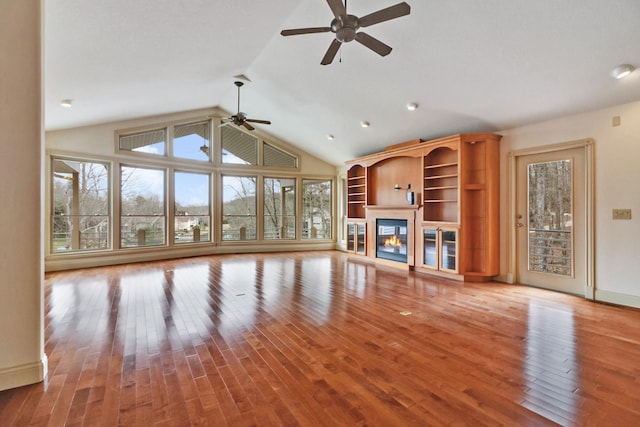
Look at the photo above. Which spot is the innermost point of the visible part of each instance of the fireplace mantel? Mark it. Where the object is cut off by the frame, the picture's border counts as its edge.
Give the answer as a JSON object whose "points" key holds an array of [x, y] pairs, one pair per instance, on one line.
{"points": [[390, 207], [405, 212]]}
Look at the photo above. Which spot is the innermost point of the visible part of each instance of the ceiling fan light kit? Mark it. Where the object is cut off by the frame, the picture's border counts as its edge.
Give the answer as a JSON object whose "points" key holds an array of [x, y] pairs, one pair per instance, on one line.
{"points": [[346, 26]]}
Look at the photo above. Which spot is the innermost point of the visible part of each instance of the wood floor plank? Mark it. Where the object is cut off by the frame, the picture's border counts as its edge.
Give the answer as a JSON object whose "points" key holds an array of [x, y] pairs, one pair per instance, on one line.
{"points": [[322, 338]]}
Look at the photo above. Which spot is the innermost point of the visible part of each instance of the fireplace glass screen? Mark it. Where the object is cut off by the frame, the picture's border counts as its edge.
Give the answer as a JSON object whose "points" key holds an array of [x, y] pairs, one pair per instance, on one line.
{"points": [[391, 239]]}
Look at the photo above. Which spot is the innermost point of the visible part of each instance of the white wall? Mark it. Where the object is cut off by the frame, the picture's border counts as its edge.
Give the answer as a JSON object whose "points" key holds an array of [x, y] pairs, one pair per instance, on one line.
{"points": [[617, 185], [22, 359]]}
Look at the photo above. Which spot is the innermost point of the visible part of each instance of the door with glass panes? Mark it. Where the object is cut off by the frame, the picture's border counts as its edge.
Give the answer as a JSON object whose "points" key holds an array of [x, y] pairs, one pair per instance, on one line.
{"points": [[550, 220]]}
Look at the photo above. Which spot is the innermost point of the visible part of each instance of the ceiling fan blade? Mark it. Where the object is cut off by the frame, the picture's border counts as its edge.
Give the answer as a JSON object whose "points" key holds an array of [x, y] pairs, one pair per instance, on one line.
{"points": [[247, 125], [331, 52], [296, 31], [337, 7], [391, 12], [372, 43], [224, 124], [264, 122]]}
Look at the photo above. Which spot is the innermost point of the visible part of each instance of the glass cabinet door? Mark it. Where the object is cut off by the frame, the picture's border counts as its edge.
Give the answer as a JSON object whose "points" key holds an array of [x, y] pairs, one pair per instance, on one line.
{"points": [[351, 229], [430, 247], [357, 238], [360, 239], [448, 250], [440, 249]]}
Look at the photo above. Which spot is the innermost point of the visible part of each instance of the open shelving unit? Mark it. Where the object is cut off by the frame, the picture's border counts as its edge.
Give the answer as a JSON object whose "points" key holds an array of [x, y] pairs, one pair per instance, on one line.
{"points": [[356, 191], [441, 184]]}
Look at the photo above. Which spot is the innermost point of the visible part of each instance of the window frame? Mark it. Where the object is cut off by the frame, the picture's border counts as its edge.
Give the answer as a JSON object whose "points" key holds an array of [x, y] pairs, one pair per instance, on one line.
{"points": [[53, 158], [165, 207], [306, 236], [173, 214], [296, 217]]}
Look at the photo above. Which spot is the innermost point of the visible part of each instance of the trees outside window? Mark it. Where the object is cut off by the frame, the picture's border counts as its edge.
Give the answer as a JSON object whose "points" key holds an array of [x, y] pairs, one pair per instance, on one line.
{"points": [[80, 219], [192, 207], [142, 206], [238, 207], [279, 208], [551, 217], [316, 209]]}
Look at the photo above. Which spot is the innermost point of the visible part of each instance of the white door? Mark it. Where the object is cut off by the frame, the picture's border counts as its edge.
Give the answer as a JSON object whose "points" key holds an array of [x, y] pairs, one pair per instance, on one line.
{"points": [[551, 249]]}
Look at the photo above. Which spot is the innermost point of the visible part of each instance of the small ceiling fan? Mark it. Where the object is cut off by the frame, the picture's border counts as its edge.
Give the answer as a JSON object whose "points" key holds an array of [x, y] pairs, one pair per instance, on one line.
{"points": [[346, 28], [240, 118]]}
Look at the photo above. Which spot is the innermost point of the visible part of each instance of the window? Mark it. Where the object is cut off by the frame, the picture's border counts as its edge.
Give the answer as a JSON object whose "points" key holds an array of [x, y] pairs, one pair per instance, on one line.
{"points": [[164, 198], [142, 206], [80, 206], [316, 209], [192, 209], [192, 141], [238, 147], [273, 156], [238, 208], [279, 208], [152, 142]]}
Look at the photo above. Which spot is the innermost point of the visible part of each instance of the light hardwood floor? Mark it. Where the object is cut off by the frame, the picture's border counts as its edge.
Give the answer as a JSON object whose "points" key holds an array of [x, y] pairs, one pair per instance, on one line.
{"points": [[322, 339]]}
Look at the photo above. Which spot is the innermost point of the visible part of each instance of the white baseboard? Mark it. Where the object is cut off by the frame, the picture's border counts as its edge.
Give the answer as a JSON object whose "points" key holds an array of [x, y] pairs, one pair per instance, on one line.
{"points": [[617, 298], [505, 278], [18, 376]]}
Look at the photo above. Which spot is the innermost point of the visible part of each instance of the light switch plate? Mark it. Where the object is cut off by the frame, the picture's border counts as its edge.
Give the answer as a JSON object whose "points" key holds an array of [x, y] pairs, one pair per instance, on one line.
{"points": [[615, 121], [622, 214]]}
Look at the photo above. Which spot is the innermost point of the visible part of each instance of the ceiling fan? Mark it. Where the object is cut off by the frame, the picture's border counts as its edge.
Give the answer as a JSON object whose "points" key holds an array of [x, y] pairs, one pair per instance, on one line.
{"points": [[240, 118], [346, 28]]}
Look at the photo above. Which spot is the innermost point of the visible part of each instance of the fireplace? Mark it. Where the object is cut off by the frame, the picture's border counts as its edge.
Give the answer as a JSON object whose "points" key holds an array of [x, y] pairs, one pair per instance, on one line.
{"points": [[391, 239]]}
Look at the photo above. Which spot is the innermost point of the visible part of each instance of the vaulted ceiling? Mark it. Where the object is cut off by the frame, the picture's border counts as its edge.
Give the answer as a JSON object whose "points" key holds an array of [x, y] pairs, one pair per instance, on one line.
{"points": [[469, 65]]}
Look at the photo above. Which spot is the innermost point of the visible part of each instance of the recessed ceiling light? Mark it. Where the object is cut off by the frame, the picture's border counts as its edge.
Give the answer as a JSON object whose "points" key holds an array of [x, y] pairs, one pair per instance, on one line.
{"points": [[330, 137], [365, 124], [66, 103], [412, 106], [622, 71]]}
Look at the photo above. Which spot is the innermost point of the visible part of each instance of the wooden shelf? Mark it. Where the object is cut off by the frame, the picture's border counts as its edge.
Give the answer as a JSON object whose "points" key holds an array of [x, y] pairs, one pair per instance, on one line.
{"points": [[445, 187], [441, 165], [453, 175]]}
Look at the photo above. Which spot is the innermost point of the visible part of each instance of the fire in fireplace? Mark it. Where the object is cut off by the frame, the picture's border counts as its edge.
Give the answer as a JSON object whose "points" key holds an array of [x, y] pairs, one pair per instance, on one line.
{"points": [[391, 239]]}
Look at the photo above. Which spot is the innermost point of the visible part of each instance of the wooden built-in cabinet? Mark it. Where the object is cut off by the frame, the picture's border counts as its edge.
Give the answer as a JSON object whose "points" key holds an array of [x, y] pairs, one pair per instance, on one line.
{"points": [[456, 203]]}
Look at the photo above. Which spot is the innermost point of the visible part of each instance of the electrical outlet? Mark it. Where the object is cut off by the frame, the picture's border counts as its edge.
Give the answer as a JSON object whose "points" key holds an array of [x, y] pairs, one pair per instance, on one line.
{"points": [[622, 214]]}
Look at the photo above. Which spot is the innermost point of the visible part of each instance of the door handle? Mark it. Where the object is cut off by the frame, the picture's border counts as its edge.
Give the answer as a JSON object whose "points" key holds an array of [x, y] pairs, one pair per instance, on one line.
{"points": [[519, 224]]}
